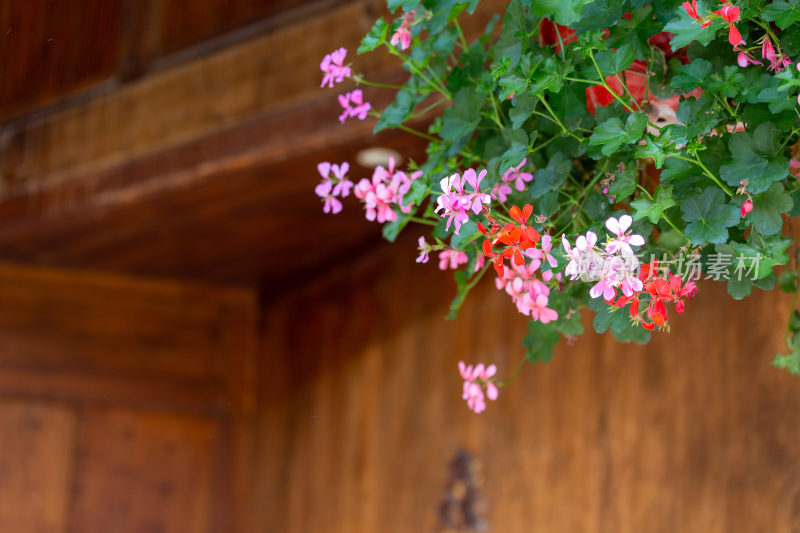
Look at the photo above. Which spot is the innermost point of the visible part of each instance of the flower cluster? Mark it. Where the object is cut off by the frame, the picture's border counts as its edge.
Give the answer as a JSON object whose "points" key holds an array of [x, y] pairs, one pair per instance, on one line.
{"points": [[657, 290], [475, 380], [354, 105], [515, 176], [612, 267], [729, 14], [529, 293], [334, 183], [403, 34], [517, 238], [584, 128], [456, 202], [333, 68], [385, 191]]}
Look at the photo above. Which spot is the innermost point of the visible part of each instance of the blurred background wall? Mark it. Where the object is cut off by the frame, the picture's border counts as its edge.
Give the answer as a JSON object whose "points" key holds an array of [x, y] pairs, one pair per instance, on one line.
{"points": [[187, 344]]}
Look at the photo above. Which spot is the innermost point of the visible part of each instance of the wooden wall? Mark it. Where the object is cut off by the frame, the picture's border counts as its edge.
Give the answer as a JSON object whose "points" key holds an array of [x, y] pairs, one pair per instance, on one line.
{"points": [[125, 405], [362, 412]]}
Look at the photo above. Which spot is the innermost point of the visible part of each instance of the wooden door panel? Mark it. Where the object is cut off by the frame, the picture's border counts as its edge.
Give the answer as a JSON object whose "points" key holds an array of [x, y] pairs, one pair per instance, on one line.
{"points": [[141, 472], [37, 444]]}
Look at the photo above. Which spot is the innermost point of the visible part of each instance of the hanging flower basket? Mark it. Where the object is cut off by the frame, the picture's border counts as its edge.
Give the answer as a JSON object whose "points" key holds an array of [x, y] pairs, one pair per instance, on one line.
{"points": [[604, 154]]}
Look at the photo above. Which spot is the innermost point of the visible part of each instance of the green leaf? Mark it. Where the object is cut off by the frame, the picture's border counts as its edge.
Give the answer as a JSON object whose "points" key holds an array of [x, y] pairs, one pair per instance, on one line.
{"points": [[691, 76], [565, 12], [763, 256], [392, 229], [652, 148], [407, 5], [756, 158], [783, 13], [612, 134], [461, 119], [569, 326], [398, 111], [375, 37], [698, 115], [789, 362], [540, 341], [740, 288], [727, 84], [468, 233], [787, 281], [522, 106], [709, 217], [654, 209], [767, 210], [616, 61], [687, 29], [552, 176]]}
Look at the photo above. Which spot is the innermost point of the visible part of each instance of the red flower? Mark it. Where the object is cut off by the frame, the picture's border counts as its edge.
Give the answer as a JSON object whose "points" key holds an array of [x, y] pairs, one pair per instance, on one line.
{"points": [[635, 79], [747, 206], [517, 238], [550, 32], [734, 37], [691, 9], [729, 13]]}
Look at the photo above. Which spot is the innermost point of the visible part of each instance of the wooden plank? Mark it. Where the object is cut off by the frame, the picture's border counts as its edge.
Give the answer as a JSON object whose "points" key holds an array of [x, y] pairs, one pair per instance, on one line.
{"points": [[184, 103], [37, 444], [141, 471], [96, 337], [359, 423], [50, 49]]}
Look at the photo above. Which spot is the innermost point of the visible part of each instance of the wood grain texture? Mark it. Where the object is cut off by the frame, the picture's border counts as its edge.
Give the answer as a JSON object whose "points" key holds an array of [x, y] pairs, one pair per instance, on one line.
{"points": [[145, 472], [684, 434], [37, 443], [51, 49], [94, 337]]}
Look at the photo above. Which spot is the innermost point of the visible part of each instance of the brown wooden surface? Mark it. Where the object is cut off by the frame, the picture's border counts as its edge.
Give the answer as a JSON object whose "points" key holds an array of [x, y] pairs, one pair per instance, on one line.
{"points": [[145, 472], [36, 466], [205, 159], [125, 405], [690, 433]]}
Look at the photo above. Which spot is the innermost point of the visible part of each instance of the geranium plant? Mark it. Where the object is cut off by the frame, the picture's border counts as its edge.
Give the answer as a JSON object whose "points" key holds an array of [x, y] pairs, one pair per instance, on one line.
{"points": [[603, 154]]}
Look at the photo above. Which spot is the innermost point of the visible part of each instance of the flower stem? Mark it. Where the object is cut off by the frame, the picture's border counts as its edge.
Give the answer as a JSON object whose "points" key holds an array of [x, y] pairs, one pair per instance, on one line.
{"points": [[419, 73], [557, 120], [707, 172], [416, 132], [426, 221], [604, 84], [359, 81], [461, 35]]}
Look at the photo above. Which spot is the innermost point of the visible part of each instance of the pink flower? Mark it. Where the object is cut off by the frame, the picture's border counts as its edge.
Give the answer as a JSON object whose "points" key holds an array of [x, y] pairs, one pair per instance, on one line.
{"points": [[403, 33], [451, 259], [358, 109], [536, 307], [472, 389], [734, 36], [330, 187], [424, 249], [384, 191], [500, 191], [333, 67], [455, 201], [747, 206], [544, 253], [343, 185], [519, 178], [604, 288], [622, 241], [767, 50], [332, 204]]}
